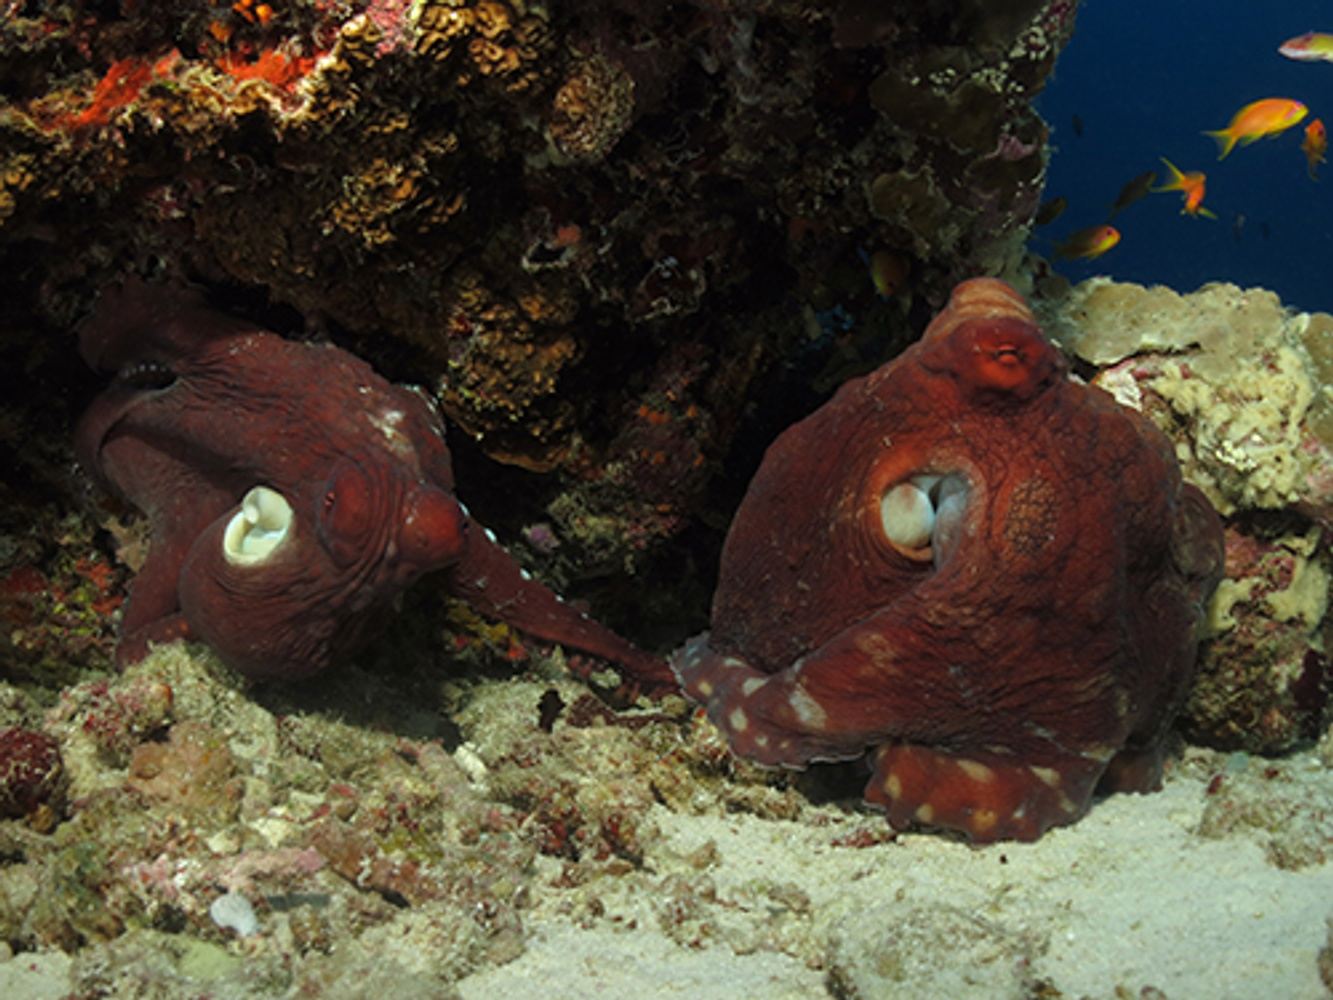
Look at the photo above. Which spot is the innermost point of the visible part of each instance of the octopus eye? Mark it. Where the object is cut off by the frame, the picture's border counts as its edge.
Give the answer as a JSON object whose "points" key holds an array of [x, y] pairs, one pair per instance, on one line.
{"points": [[258, 528], [921, 516], [348, 512], [146, 375]]}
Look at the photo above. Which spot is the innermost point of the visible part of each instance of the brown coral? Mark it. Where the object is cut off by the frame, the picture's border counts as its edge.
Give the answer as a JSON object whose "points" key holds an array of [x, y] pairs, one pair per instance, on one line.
{"points": [[592, 109]]}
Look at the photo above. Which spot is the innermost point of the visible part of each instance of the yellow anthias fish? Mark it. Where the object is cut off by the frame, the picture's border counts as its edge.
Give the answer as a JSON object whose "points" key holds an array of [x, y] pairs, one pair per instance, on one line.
{"points": [[1314, 146], [1309, 47], [1192, 185], [1087, 244], [1256, 120]]}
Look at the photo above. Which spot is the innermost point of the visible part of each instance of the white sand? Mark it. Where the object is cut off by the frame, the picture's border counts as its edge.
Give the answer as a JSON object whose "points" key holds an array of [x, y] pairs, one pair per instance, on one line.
{"points": [[1130, 897]]}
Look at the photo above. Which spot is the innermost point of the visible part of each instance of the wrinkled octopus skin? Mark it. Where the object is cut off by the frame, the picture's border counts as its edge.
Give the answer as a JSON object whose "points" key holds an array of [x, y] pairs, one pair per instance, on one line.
{"points": [[291, 494], [984, 576]]}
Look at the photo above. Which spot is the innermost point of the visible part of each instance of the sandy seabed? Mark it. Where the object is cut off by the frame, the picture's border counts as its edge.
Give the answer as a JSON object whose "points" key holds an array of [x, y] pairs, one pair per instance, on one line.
{"points": [[1127, 902]]}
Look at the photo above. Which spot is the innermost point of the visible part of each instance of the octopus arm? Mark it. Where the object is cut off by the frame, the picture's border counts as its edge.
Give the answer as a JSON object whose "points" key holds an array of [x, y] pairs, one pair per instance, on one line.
{"points": [[491, 581]]}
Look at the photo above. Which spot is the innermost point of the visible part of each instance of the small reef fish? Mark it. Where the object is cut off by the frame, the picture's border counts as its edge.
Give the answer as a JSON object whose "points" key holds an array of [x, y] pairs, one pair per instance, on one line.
{"points": [[1133, 191], [1309, 47], [888, 272], [1314, 146], [1191, 184], [1089, 243], [1270, 116], [1076, 123], [1050, 210]]}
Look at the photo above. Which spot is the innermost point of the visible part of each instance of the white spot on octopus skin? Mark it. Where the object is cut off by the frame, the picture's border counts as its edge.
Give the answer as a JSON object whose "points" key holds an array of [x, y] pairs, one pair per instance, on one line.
{"points": [[752, 684], [983, 821], [976, 771], [386, 422], [808, 711], [737, 720], [1048, 776]]}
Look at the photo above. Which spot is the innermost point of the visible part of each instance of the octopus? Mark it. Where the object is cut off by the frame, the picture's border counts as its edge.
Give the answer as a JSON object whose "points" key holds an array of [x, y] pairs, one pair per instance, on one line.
{"points": [[981, 577], [291, 494]]}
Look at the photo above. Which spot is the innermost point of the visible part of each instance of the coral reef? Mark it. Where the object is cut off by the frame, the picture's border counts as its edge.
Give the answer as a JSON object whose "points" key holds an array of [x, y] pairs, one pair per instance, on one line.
{"points": [[185, 792], [542, 213], [622, 244], [417, 834], [1241, 385]]}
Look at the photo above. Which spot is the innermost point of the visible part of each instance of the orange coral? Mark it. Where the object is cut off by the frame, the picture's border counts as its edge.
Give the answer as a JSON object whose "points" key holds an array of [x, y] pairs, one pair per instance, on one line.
{"points": [[123, 81], [273, 66]]}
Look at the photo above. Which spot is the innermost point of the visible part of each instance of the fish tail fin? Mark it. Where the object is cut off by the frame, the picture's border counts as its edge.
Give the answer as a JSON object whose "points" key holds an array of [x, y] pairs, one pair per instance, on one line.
{"points": [[1174, 177], [1226, 141]]}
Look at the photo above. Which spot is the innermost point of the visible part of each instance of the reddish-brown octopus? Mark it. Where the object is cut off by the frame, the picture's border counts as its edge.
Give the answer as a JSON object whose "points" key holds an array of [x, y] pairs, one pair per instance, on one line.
{"points": [[292, 493], [989, 576]]}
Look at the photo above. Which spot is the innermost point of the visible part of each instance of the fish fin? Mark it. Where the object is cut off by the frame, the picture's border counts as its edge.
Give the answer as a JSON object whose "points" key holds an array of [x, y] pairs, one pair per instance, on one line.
{"points": [[1205, 213], [1174, 178], [1226, 142]]}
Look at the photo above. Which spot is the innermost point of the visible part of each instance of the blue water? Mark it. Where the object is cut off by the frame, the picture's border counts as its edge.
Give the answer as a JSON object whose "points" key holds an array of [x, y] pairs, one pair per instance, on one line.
{"points": [[1146, 79]]}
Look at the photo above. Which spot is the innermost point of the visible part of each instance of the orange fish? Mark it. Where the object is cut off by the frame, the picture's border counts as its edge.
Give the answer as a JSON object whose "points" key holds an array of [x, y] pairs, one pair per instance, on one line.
{"points": [[1256, 120], [1087, 244], [1316, 142], [1191, 184]]}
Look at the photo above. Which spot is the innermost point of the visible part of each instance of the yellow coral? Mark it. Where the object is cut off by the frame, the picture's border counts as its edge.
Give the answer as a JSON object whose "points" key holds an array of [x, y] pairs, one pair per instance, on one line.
{"points": [[498, 41], [16, 174], [1238, 377]]}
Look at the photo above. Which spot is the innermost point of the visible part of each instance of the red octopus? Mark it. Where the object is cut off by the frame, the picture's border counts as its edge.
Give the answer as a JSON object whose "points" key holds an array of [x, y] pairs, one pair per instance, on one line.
{"points": [[986, 575], [291, 491]]}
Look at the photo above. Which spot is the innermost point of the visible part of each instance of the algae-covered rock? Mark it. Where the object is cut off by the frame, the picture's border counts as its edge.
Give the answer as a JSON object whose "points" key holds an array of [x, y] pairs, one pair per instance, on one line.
{"points": [[1231, 370], [1241, 385]]}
